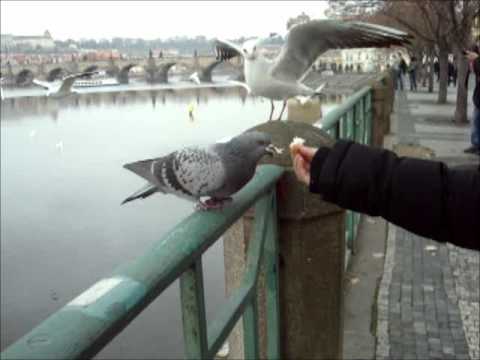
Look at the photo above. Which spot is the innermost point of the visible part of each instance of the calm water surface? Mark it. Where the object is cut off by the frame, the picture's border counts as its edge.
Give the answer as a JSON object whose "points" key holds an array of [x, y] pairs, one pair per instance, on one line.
{"points": [[62, 181]]}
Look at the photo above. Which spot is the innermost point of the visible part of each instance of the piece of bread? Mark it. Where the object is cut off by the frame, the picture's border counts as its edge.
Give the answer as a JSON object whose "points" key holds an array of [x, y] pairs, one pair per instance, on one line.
{"points": [[295, 146]]}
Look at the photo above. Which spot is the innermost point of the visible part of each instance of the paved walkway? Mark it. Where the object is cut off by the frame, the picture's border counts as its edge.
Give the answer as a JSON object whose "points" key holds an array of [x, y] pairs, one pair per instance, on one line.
{"points": [[428, 299]]}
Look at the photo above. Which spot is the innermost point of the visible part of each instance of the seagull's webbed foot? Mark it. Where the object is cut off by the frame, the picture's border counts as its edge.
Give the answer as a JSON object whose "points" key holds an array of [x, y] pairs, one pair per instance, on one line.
{"points": [[212, 204]]}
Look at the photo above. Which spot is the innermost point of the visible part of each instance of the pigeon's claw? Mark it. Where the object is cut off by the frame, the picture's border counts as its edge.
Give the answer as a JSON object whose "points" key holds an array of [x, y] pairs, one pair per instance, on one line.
{"points": [[212, 204]]}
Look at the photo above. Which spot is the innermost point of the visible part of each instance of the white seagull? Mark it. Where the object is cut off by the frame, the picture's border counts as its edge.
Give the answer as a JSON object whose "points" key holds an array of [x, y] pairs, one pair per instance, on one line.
{"points": [[64, 87], [281, 78], [194, 78]]}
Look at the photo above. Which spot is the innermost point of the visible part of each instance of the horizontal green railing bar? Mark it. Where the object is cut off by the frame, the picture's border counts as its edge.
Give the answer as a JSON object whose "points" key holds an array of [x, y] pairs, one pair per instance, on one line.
{"points": [[85, 325], [335, 114], [223, 324]]}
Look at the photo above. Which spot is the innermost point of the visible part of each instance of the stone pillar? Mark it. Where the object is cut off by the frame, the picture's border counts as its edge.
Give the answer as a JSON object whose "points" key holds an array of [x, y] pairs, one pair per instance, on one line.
{"points": [[308, 113], [382, 105], [311, 260], [379, 112]]}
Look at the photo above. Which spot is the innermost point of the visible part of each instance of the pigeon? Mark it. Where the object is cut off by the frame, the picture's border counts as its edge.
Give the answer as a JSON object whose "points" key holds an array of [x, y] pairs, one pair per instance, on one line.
{"points": [[65, 87], [281, 78], [215, 171]]}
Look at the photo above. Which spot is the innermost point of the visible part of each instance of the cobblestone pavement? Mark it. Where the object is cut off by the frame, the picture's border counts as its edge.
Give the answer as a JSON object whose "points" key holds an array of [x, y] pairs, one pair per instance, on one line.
{"points": [[428, 299]]}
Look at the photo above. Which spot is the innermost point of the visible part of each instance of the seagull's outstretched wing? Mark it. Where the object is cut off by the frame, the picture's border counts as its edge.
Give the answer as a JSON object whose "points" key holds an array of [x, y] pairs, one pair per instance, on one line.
{"points": [[309, 40], [41, 83], [194, 78], [226, 50], [241, 84], [70, 79]]}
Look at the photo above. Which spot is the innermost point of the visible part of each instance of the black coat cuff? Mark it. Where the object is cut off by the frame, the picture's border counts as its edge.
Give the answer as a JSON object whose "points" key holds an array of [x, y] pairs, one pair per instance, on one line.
{"points": [[316, 168]]}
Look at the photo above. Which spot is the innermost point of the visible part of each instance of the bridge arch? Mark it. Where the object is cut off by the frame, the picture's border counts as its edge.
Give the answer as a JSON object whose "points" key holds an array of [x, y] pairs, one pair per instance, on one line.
{"points": [[56, 73], [162, 74], [206, 73], [91, 68], [24, 77], [123, 75]]}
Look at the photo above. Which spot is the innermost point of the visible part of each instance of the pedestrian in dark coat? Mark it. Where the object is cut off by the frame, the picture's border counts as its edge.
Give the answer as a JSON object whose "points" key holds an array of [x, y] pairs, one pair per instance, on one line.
{"points": [[474, 58], [423, 196], [436, 69]]}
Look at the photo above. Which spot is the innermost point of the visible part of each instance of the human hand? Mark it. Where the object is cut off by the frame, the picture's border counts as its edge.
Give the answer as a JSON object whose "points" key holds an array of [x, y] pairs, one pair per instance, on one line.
{"points": [[302, 161], [471, 55]]}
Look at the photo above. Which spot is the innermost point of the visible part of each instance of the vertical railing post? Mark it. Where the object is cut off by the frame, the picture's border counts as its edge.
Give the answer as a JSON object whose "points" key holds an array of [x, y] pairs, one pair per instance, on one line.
{"points": [[368, 117], [193, 312], [250, 333], [350, 125], [359, 121], [271, 282]]}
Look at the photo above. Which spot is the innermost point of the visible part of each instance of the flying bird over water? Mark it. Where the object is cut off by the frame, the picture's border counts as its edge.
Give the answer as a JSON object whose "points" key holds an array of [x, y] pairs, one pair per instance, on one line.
{"points": [[64, 88], [216, 171], [281, 78]]}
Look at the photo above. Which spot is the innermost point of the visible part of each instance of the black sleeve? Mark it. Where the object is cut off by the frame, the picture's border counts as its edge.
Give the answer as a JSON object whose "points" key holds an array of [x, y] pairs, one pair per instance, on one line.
{"points": [[422, 196]]}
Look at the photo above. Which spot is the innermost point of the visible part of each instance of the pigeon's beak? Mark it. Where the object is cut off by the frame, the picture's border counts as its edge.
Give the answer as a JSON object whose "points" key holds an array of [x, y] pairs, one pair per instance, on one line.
{"points": [[273, 150]]}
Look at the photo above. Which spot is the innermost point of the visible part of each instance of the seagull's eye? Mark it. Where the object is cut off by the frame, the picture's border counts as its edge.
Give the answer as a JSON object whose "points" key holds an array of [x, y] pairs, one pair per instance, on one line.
{"points": [[245, 51], [254, 48]]}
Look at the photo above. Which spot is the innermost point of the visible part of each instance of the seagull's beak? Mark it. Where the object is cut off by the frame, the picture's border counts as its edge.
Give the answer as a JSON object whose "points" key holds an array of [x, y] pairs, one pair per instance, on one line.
{"points": [[273, 150]]}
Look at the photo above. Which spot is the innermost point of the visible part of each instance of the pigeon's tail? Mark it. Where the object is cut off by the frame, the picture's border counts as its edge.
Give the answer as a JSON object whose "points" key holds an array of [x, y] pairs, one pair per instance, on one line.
{"points": [[143, 193], [142, 168]]}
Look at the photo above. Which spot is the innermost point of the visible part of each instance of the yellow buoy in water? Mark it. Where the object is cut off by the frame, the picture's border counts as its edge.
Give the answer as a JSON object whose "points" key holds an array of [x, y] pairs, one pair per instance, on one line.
{"points": [[191, 108]]}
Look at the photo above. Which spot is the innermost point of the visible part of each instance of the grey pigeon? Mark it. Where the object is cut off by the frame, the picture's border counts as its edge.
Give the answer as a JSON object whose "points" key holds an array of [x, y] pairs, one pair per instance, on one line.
{"points": [[281, 78], [216, 171]]}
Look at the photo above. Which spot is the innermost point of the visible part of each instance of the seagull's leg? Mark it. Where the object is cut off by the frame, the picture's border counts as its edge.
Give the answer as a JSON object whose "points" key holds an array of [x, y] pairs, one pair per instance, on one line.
{"points": [[271, 111], [283, 109]]}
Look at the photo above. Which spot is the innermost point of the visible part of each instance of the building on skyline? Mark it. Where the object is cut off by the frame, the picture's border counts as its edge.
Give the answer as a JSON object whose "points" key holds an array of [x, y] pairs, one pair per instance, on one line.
{"points": [[44, 41]]}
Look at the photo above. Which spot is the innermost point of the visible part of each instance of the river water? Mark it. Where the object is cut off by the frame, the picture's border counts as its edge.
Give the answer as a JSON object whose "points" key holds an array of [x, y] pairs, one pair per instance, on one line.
{"points": [[62, 182]]}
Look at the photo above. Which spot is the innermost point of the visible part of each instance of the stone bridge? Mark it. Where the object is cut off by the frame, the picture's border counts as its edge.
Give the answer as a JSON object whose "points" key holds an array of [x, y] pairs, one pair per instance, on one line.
{"points": [[120, 68]]}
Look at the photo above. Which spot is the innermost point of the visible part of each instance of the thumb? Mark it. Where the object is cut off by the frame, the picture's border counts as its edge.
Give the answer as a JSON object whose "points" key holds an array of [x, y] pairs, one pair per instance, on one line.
{"points": [[307, 152]]}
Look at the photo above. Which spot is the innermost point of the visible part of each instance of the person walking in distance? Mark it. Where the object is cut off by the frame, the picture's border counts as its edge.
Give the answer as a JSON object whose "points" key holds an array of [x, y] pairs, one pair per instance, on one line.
{"points": [[412, 73], [474, 62]]}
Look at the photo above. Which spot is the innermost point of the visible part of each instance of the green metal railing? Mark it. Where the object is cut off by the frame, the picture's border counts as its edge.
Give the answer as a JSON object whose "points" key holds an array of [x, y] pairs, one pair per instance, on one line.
{"points": [[85, 325], [352, 120]]}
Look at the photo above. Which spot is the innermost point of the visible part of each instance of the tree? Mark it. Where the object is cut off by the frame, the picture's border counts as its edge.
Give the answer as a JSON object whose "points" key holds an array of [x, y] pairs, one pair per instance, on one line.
{"points": [[440, 27]]}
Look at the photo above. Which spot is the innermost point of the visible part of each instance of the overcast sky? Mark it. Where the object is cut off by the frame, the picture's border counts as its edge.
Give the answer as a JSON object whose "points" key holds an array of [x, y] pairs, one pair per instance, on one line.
{"points": [[151, 20]]}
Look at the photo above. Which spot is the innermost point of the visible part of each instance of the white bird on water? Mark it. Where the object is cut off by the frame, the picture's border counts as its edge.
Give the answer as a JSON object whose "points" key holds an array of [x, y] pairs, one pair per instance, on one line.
{"points": [[281, 78], [64, 88]]}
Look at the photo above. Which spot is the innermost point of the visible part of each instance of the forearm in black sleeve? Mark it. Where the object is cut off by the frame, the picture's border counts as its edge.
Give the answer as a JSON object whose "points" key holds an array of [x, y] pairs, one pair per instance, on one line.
{"points": [[422, 196]]}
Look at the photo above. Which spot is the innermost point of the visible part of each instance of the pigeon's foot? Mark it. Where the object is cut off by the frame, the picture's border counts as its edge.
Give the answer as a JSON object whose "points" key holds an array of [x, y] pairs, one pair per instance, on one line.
{"points": [[212, 204]]}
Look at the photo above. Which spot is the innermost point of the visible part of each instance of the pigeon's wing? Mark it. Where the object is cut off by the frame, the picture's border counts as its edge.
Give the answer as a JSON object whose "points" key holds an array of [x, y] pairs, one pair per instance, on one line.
{"points": [[43, 84], [226, 50], [70, 79], [188, 173], [195, 171], [309, 40]]}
